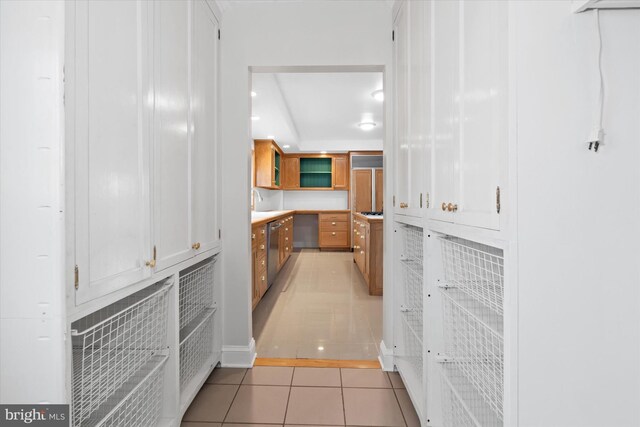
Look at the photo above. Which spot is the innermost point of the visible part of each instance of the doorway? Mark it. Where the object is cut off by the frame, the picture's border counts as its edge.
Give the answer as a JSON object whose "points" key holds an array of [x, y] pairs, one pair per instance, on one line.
{"points": [[316, 165]]}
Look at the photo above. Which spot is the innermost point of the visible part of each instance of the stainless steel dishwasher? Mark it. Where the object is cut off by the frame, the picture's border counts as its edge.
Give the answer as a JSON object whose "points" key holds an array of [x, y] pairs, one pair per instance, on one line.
{"points": [[273, 241]]}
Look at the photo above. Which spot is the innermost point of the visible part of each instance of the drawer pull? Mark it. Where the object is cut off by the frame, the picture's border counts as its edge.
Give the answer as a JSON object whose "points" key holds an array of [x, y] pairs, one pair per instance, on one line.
{"points": [[262, 262], [333, 234], [196, 246], [262, 247], [286, 238], [333, 223], [253, 236], [263, 278], [263, 231]]}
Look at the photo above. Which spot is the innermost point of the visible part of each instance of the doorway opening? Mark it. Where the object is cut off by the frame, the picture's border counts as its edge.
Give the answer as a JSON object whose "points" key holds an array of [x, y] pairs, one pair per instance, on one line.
{"points": [[317, 205]]}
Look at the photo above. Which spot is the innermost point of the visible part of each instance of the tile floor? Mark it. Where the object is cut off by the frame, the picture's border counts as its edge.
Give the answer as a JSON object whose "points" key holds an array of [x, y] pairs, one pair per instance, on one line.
{"points": [[318, 308], [268, 395]]}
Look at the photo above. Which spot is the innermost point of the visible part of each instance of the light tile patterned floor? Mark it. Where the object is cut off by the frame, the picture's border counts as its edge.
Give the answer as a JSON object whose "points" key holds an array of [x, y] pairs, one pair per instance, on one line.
{"points": [[301, 396], [318, 308]]}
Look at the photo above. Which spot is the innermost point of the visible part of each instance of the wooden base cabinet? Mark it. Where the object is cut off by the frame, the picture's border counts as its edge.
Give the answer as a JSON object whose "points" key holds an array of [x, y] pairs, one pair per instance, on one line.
{"points": [[333, 230], [367, 251], [259, 263], [285, 245]]}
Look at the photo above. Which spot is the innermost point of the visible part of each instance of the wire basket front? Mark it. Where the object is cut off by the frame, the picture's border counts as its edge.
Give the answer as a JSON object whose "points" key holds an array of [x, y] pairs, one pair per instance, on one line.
{"points": [[196, 347], [111, 345]]}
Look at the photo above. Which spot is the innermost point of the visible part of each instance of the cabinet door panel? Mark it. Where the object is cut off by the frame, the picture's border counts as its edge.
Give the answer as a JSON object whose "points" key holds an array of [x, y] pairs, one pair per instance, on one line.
{"points": [[171, 214], [111, 121], [446, 108], [401, 70], [419, 104], [341, 173], [484, 129], [362, 190], [204, 161], [291, 173]]}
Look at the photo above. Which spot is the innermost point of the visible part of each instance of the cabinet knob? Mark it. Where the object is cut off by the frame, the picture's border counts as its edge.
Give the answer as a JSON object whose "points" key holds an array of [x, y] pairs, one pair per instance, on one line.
{"points": [[361, 252], [444, 206], [403, 205], [286, 229], [262, 247], [253, 236], [263, 278], [262, 231], [151, 263], [262, 262], [196, 246], [286, 238], [333, 234], [451, 207], [356, 247], [333, 223]]}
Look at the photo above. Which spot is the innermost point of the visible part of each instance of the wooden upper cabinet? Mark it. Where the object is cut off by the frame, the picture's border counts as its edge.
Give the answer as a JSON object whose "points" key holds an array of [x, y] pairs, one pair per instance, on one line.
{"points": [[379, 190], [362, 190], [291, 173], [341, 172], [268, 163]]}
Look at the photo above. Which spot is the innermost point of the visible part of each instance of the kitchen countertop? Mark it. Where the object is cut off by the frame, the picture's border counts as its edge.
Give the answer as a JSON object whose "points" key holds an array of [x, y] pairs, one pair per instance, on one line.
{"points": [[369, 218], [260, 218]]}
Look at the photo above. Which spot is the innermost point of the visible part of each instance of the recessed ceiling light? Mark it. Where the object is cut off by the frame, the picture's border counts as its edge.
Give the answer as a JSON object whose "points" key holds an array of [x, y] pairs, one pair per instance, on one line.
{"points": [[286, 146], [378, 95], [255, 118], [323, 152], [366, 125], [321, 348], [253, 93]]}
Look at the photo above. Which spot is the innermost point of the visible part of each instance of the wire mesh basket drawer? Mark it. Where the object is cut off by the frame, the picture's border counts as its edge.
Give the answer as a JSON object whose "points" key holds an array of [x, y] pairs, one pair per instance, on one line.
{"points": [[196, 347], [474, 344], [475, 269], [113, 345], [196, 290], [412, 244], [138, 402], [462, 405], [411, 350]]}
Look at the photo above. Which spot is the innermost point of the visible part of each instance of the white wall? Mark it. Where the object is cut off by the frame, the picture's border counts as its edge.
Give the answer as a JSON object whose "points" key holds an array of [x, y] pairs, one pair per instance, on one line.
{"points": [[271, 200], [578, 219], [32, 309], [344, 33], [316, 200]]}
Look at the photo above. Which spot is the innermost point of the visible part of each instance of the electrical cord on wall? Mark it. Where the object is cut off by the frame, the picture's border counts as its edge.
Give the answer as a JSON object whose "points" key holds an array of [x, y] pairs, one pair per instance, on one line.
{"points": [[597, 134]]}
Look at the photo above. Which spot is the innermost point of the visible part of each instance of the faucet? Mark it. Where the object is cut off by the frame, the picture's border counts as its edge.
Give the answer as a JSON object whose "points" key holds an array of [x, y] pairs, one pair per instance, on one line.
{"points": [[255, 190]]}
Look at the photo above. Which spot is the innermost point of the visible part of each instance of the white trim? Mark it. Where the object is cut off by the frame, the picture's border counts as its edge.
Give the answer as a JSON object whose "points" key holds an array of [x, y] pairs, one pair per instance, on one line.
{"points": [[239, 356], [385, 357]]}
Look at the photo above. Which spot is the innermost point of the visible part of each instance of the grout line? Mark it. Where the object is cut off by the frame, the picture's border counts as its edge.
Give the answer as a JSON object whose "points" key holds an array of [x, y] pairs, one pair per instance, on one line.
{"points": [[400, 406], [286, 408], [232, 401], [344, 409]]}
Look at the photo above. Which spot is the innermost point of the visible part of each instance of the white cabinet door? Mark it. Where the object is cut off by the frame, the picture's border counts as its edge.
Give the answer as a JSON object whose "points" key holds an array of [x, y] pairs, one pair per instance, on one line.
{"points": [[111, 136], [171, 142], [401, 87], [419, 104], [484, 128], [204, 91], [446, 106]]}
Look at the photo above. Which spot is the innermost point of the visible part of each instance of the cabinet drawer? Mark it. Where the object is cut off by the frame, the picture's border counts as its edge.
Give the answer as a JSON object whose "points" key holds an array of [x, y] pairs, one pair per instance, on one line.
{"points": [[333, 238], [334, 226], [333, 217]]}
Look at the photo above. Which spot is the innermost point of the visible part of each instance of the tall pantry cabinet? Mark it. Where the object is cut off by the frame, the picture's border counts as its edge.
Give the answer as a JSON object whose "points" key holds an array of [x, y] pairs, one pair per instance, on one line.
{"points": [[451, 84], [141, 104]]}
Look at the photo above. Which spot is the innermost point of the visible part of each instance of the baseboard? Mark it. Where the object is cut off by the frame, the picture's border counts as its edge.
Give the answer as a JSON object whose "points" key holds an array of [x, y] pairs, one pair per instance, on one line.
{"points": [[385, 357], [239, 356]]}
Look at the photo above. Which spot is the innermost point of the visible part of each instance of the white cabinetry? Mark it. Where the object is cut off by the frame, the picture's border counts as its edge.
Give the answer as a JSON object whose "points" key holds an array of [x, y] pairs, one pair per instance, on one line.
{"points": [[171, 139], [412, 81], [204, 173], [111, 134], [470, 112], [144, 133]]}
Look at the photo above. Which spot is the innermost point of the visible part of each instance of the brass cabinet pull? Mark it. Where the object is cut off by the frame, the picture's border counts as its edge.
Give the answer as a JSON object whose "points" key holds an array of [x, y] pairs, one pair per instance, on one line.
{"points": [[333, 223], [444, 206], [286, 238], [195, 246], [404, 205], [333, 234], [262, 247], [262, 262], [263, 278], [253, 236], [152, 263], [451, 207], [361, 252]]}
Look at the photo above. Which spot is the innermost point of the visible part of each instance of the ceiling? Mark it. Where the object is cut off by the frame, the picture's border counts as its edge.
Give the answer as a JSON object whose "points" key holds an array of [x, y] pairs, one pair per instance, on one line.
{"points": [[313, 112]]}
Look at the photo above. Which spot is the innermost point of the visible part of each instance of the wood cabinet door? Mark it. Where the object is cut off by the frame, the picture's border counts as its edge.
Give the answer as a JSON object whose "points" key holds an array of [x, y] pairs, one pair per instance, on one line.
{"points": [[204, 162], [341, 172], [110, 133], [255, 278], [362, 190], [379, 192], [290, 173], [171, 141]]}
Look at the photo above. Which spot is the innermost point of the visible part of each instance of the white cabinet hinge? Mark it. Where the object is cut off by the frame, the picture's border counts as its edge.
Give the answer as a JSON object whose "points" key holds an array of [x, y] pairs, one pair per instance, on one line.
{"points": [[76, 277]]}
